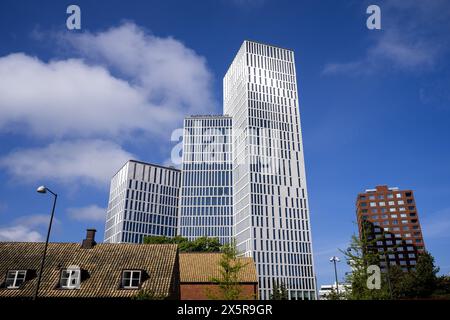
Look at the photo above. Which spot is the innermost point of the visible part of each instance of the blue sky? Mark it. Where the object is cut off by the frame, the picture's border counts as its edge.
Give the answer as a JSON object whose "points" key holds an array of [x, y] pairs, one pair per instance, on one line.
{"points": [[74, 105]]}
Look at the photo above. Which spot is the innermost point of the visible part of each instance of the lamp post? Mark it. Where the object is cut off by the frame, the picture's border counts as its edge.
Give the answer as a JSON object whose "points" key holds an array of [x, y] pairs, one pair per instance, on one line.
{"points": [[335, 259], [43, 189]]}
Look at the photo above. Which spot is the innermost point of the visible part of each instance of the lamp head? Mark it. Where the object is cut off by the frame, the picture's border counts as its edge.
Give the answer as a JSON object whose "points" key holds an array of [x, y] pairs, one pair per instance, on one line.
{"points": [[42, 189], [334, 258]]}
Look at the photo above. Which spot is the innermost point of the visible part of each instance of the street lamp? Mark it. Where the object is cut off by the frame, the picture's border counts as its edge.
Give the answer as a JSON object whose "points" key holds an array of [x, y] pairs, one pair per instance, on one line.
{"points": [[335, 259], [43, 189]]}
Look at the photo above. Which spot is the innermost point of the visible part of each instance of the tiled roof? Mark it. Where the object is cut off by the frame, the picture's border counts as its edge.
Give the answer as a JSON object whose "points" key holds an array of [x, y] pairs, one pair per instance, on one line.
{"points": [[103, 265], [202, 267]]}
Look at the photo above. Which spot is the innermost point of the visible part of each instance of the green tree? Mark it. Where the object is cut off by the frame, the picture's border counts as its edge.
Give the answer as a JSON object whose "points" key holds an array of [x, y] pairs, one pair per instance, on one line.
{"points": [[279, 291], [424, 276], [164, 239], [402, 282], [202, 244], [334, 295], [147, 294], [360, 256], [421, 282], [442, 287], [229, 281]]}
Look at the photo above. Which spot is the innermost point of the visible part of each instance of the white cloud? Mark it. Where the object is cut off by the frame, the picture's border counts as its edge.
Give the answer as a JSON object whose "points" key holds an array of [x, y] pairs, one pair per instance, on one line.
{"points": [[19, 233], [123, 85], [156, 82], [71, 98], [87, 161], [26, 228], [90, 213], [411, 39], [169, 73]]}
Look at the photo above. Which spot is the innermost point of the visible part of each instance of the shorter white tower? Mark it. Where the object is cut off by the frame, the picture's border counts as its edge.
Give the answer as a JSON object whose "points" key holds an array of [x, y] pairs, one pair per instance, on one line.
{"points": [[143, 201]]}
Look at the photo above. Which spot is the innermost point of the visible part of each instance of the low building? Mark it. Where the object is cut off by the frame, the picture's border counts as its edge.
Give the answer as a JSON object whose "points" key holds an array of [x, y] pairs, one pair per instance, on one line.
{"points": [[326, 289], [197, 271], [89, 270]]}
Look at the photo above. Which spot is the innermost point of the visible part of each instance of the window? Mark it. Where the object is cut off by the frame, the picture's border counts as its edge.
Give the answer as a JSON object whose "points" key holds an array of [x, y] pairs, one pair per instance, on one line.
{"points": [[131, 279], [15, 278], [373, 204], [70, 278], [398, 195]]}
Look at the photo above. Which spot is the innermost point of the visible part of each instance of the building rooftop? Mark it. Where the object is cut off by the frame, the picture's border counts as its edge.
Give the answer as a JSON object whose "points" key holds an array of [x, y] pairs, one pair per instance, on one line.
{"points": [[202, 267], [382, 188], [195, 116], [101, 268]]}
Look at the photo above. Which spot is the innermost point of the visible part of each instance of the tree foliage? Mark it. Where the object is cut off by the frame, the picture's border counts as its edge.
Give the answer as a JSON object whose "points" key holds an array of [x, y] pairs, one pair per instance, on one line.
{"points": [[229, 281], [420, 282], [359, 258], [279, 291], [202, 244], [147, 294]]}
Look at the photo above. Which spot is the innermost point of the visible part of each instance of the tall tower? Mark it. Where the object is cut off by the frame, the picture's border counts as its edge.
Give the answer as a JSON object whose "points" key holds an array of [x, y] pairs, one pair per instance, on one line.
{"points": [[206, 184], [143, 201], [270, 199]]}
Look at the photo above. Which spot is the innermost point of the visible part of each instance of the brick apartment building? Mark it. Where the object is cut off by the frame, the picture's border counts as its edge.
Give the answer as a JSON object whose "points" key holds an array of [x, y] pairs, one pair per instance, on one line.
{"points": [[389, 219]]}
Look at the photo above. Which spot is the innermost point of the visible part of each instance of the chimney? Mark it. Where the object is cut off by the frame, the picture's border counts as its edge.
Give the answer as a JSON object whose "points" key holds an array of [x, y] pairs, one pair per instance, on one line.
{"points": [[89, 242]]}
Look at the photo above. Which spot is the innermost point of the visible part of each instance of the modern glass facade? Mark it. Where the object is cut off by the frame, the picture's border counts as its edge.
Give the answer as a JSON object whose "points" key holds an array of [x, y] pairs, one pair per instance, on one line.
{"points": [[206, 187], [143, 201], [270, 201]]}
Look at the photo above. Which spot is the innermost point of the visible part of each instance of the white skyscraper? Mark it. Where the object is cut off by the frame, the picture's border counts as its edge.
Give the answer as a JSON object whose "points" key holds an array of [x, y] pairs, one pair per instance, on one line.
{"points": [[270, 201], [143, 201], [206, 186]]}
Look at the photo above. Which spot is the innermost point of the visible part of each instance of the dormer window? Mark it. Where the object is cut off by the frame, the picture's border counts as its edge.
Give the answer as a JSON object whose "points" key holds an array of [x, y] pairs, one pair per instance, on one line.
{"points": [[15, 278], [131, 279], [70, 278]]}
